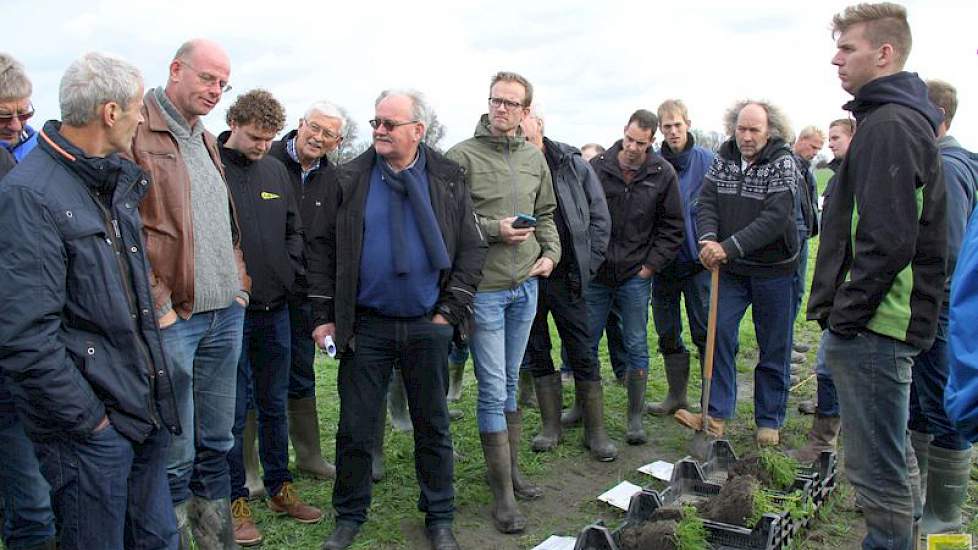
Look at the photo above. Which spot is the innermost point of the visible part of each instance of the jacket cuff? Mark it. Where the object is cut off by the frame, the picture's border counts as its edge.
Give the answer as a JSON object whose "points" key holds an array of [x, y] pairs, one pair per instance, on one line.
{"points": [[731, 248]]}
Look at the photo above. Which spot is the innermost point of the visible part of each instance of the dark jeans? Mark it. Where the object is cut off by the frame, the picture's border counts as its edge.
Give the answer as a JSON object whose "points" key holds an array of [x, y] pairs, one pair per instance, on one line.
{"points": [[421, 348], [631, 300], [202, 353], [109, 493], [570, 314], [264, 366], [827, 400], [302, 376], [27, 519], [676, 282], [771, 302], [800, 273], [927, 414], [873, 380]]}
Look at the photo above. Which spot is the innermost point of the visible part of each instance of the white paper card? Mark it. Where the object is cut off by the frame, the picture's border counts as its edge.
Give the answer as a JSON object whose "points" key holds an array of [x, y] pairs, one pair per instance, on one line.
{"points": [[620, 495], [556, 543], [328, 346], [659, 469]]}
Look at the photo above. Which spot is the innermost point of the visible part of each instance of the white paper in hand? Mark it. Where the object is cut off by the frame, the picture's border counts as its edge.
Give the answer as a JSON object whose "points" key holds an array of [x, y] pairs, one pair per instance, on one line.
{"points": [[659, 470], [329, 346], [556, 543], [620, 495]]}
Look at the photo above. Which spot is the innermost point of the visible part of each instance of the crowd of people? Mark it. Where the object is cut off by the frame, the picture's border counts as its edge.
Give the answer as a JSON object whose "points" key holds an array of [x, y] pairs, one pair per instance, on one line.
{"points": [[167, 288]]}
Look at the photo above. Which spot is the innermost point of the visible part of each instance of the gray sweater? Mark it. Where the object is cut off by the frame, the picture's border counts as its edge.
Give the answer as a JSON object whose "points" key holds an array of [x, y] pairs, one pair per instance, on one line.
{"points": [[216, 280]]}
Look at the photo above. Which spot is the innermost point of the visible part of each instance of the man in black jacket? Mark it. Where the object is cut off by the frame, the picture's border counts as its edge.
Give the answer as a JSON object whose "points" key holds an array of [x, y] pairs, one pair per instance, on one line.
{"points": [[79, 342], [880, 272], [584, 225], [746, 222], [304, 152], [646, 232], [272, 243], [400, 263]]}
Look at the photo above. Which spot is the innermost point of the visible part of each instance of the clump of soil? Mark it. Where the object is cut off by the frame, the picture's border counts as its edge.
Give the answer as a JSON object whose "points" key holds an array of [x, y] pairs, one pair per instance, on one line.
{"points": [[662, 531], [734, 504], [773, 469]]}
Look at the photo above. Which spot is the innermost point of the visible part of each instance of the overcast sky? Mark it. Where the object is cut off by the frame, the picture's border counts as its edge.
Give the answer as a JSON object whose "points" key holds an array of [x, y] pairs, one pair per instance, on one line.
{"points": [[592, 63]]}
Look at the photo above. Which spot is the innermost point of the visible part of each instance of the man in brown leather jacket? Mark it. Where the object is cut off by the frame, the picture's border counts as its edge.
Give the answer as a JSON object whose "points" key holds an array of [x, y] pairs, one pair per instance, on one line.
{"points": [[199, 283]]}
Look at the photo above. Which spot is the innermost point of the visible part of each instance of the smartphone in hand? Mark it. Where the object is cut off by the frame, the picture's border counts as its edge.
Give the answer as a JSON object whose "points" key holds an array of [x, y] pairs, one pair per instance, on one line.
{"points": [[524, 221]]}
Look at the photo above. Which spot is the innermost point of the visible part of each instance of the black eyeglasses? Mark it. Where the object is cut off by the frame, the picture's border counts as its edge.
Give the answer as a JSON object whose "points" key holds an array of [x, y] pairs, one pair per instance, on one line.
{"points": [[389, 124], [7, 118], [498, 102], [208, 79]]}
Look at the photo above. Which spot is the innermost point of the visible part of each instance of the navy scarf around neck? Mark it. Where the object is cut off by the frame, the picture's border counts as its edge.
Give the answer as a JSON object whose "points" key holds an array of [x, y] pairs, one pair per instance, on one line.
{"points": [[407, 183]]}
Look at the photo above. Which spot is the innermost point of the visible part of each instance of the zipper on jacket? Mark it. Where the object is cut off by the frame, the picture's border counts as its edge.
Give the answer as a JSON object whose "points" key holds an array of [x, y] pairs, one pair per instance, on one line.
{"points": [[110, 221], [516, 206]]}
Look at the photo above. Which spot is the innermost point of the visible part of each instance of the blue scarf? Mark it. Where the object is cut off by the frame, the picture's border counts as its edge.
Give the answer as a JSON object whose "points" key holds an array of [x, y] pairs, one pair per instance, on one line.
{"points": [[409, 183]]}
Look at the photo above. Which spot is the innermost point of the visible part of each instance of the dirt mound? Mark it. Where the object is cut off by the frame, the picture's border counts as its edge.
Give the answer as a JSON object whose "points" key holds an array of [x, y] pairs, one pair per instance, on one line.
{"points": [[734, 503], [650, 535]]}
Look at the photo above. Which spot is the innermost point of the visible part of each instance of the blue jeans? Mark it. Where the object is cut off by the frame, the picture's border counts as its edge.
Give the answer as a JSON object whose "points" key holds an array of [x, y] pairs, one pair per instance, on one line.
{"points": [[673, 284], [827, 401], [502, 327], [28, 519], [302, 375], [872, 375], [930, 371], [800, 273], [263, 367], [203, 359], [772, 303], [420, 347], [108, 492], [631, 301]]}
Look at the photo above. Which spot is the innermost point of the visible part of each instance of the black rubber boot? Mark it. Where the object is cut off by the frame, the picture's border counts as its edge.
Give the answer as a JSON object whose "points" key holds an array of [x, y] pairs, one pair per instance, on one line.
{"points": [[522, 488], [505, 515], [591, 395], [948, 473], [677, 376], [549, 397], [635, 382]]}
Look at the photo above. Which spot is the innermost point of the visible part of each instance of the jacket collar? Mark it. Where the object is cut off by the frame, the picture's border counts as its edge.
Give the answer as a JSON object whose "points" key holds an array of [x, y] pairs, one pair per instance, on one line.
{"points": [[608, 162], [484, 133], [100, 173], [231, 155]]}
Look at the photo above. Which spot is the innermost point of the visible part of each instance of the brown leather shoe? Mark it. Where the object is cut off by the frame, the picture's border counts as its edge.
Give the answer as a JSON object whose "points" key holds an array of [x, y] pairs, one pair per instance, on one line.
{"points": [[287, 502], [246, 533], [694, 421]]}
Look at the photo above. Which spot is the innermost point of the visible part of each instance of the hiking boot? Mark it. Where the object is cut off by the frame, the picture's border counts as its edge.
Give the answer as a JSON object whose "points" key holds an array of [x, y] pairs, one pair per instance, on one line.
{"points": [[249, 452], [591, 395], [287, 502], [455, 375], [210, 523], [522, 488], [397, 404], [822, 437], [505, 515], [677, 376], [549, 396], [694, 421], [246, 533], [525, 396], [304, 434], [635, 382], [767, 437], [441, 538], [342, 537]]}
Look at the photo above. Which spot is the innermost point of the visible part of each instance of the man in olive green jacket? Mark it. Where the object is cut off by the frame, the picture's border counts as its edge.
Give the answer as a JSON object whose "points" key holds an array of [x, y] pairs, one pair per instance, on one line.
{"points": [[514, 202]]}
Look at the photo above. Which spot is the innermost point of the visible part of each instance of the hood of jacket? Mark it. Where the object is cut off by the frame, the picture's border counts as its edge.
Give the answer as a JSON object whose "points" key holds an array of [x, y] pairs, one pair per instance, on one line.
{"points": [[903, 88]]}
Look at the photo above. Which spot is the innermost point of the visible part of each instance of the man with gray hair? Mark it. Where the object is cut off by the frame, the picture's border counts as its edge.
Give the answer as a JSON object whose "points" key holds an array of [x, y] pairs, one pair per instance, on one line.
{"points": [[747, 230], [78, 338], [200, 287], [15, 108], [809, 143], [400, 263], [304, 152], [880, 272], [26, 495]]}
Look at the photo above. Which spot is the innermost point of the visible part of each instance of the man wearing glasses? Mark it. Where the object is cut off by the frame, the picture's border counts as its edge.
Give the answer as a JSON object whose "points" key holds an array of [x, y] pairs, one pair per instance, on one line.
{"points": [[304, 152], [514, 201], [400, 263], [200, 287], [26, 494]]}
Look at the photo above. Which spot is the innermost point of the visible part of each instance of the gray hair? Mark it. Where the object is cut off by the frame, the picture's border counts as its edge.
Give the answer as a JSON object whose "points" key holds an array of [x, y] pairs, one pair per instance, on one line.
{"points": [[420, 110], [93, 80], [14, 83], [329, 110], [777, 122]]}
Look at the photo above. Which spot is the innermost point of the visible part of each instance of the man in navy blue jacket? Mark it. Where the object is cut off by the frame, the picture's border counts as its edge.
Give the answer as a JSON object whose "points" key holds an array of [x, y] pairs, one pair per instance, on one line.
{"points": [[79, 341]]}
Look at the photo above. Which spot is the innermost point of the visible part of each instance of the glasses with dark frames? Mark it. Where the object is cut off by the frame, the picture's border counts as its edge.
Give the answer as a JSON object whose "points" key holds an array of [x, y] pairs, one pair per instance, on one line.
{"points": [[389, 124]]}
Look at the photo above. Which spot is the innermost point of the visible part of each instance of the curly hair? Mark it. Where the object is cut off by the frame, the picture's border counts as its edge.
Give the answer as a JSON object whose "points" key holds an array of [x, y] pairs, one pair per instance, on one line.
{"points": [[777, 122], [259, 107]]}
